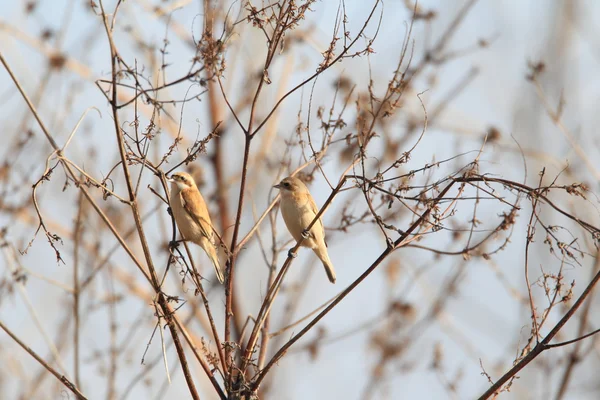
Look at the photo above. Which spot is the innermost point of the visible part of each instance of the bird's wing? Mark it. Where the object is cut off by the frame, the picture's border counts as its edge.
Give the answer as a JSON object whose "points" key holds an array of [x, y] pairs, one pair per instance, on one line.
{"points": [[319, 223], [195, 206]]}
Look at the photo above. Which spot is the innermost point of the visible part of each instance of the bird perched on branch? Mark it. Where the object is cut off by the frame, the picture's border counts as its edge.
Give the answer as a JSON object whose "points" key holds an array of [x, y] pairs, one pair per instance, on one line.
{"points": [[298, 210], [191, 215]]}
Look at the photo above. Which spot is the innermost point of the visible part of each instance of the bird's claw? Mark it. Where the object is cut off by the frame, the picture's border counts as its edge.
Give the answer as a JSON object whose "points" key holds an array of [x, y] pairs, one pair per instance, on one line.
{"points": [[173, 244], [291, 253], [305, 234]]}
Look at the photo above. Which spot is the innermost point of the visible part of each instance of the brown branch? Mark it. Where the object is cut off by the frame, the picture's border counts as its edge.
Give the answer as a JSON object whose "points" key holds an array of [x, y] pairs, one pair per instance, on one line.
{"points": [[72, 174], [272, 292], [342, 54], [76, 288], [134, 206], [211, 320], [229, 291], [575, 355], [272, 268], [545, 343], [63, 379], [398, 243]]}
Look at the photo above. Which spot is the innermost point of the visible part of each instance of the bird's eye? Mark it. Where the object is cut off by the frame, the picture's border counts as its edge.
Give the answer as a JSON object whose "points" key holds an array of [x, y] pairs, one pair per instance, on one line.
{"points": [[287, 184]]}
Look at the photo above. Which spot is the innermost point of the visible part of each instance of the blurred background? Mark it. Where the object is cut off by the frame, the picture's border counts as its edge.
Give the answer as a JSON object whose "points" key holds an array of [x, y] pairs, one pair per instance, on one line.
{"points": [[510, 84]]}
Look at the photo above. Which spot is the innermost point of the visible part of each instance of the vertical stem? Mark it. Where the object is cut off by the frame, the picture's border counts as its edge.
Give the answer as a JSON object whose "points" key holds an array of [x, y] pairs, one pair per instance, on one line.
{"points": [[230, 302], [135, 211], [229, 292], [216, 114], [77, 241], [112, 321], [217, 159], [264, 340]]}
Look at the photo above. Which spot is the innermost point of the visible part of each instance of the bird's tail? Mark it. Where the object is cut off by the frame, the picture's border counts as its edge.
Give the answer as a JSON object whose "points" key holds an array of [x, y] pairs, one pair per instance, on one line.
{"points": [[330, 271], [211, 251], [321, 252]]}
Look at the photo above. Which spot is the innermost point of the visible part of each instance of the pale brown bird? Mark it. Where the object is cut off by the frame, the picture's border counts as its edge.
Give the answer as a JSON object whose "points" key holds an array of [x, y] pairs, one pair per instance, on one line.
{"points": [[298, 210], [191, 215]]}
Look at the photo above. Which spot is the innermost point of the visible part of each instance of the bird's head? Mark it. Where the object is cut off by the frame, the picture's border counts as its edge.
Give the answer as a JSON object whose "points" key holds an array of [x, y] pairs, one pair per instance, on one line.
{"points": [[291, 185], [182, 180]]}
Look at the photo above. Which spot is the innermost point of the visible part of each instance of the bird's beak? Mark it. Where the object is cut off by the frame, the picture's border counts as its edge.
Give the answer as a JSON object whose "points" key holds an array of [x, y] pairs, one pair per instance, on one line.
{"points": [[278, 186], [170, 179]]}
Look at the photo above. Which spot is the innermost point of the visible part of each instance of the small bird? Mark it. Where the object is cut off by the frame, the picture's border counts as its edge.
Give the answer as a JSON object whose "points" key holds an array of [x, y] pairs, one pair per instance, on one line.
{"points": [[298, 210], [191, 215]]}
